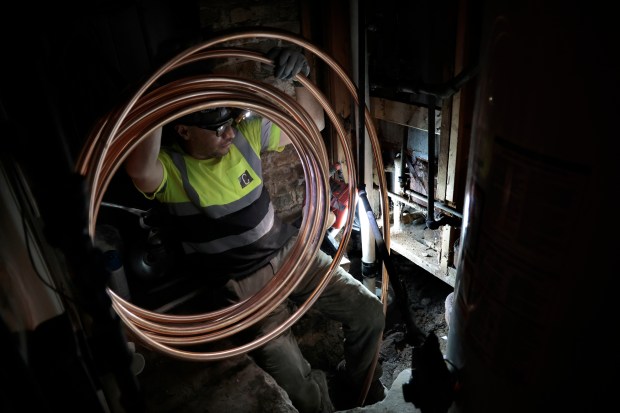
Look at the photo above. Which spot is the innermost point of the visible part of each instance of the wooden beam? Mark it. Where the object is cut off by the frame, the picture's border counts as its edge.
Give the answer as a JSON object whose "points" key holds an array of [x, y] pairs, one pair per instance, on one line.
{"points": [[402, 113], [423, 256], [445, 174]]}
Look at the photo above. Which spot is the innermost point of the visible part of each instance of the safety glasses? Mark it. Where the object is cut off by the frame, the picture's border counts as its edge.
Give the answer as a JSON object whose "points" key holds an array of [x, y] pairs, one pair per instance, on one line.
{"points": [[219, 131]]}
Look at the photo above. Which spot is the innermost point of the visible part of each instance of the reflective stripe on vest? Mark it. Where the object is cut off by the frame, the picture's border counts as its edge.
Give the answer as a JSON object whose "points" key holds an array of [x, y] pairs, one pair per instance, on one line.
{"points": [[233, 241]]}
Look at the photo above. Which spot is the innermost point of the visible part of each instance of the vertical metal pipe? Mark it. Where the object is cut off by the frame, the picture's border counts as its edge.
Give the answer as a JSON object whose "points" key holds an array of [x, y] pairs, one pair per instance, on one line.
{"points": [[396, 187], [361, 81], [430, 217]]}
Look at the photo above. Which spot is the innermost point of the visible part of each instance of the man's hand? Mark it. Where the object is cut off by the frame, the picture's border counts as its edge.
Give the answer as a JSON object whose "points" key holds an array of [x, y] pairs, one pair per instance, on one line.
{"points": [[288, 62]]}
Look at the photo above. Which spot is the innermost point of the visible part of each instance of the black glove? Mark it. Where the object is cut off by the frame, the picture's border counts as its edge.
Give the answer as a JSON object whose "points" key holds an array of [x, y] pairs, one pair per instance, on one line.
{"points": [[288, 62]]}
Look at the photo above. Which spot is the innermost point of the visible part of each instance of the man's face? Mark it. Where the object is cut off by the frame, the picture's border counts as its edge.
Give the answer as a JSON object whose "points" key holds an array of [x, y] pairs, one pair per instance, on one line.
{"points": [[205, 144]]}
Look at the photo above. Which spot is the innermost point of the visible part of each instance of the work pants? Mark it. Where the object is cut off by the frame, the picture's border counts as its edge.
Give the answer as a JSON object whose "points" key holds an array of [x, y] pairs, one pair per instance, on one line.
{"points": [[344, 299]]}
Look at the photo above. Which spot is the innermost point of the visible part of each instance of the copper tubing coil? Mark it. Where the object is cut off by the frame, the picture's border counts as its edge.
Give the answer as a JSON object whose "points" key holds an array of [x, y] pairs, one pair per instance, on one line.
{"points": [[117, 134]]}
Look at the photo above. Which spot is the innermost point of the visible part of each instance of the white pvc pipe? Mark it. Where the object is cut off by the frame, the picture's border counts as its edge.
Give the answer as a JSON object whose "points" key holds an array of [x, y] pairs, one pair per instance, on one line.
{"points": [[367, 237]]}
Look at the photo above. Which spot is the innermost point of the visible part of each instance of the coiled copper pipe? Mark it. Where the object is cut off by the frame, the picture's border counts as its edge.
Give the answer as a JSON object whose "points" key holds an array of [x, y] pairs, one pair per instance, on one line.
{"points": [[123, 129]]}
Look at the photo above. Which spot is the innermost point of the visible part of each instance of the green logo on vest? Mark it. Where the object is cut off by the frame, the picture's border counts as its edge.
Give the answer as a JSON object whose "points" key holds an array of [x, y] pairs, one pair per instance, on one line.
{"points": [[245, 179]]}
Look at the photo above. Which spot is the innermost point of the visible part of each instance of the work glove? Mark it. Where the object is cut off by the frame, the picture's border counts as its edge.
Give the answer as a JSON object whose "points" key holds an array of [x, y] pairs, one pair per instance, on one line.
{"points": [[288, 62]]}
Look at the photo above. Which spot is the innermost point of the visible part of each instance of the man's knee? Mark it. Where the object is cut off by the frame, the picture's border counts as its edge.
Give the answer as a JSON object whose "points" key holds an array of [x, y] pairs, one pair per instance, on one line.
{"points": [[305, 397], [376, 317], [282, 359]]}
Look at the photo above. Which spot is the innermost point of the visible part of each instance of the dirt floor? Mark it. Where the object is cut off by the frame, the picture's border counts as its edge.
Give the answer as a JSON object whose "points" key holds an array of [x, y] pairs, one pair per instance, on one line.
{"points": [[425, 301], [172, 385]]}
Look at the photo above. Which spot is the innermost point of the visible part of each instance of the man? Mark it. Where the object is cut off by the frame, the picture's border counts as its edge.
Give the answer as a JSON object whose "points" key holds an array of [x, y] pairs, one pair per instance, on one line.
{"points": [[211, 183]]}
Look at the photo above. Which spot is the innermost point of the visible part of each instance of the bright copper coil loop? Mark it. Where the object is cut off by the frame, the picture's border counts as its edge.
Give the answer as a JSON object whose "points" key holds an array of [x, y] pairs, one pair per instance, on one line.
{"points": [[274, 289], [318, 230], [282, 120], [115, 136]]}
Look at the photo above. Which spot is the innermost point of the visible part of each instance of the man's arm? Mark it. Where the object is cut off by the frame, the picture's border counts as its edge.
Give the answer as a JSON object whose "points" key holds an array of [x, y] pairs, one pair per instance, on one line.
{"points": [[288, 63], [142, 165], [312, 106]]}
